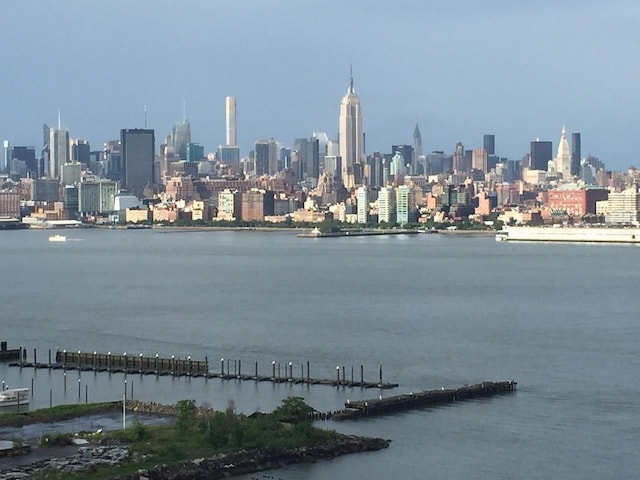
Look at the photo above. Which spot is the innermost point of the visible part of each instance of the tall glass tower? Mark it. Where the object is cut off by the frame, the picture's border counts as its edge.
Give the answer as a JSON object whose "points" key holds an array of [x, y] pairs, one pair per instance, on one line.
{"points": [[230, 117], [58, 150]]}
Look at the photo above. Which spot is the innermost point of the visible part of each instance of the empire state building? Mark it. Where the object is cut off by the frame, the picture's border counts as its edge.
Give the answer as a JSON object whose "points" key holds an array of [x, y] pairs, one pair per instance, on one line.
{"points": [[351, 139]]}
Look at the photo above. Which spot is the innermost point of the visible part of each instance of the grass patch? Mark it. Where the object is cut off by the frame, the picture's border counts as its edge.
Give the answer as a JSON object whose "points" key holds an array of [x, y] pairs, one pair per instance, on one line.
{"points": [[57, 413], [190, 437]]}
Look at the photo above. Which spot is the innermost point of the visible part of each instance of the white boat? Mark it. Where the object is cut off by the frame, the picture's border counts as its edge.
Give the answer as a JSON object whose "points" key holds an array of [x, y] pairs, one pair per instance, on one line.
{"points": [[14, 397], [57, 238]]}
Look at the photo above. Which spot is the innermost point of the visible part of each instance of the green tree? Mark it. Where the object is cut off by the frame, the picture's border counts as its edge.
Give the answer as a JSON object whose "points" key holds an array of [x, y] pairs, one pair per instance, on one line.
{"points": [[186, 416], [293, 410]]}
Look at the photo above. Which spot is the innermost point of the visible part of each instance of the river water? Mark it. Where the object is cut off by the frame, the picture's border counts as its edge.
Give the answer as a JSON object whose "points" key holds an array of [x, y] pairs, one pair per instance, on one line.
{"points": [[433, 310]]}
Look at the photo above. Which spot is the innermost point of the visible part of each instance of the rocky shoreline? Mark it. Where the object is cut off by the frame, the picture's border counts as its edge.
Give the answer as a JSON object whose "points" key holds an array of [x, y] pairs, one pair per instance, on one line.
{"points": [[219, 466], [86, 458], [252, 461], [161, 410]]}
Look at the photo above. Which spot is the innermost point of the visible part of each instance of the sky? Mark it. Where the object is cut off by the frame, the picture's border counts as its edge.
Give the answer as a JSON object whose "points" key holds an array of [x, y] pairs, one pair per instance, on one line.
{"points": [[518, 70]]}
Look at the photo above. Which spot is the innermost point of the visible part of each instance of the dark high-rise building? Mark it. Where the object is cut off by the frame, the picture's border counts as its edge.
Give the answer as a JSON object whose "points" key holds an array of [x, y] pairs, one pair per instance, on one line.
{"points": [[301, 145], [113, 160], [261, 157], [492, 161], [406, 151], [490, 144], [70, 200], [80, 151], [26, 155], [284, 159], [46, 190], [541, 153], [312, 159], [138, 146], [375, 170], [575, 154], [194, 152]]}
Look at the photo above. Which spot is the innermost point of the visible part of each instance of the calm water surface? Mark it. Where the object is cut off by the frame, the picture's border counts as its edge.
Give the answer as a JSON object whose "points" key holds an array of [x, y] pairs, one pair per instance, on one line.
{"points": [[434, 310]]}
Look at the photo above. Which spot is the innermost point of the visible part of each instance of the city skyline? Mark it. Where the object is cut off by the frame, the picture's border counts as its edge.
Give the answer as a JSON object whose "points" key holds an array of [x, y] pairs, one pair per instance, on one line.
{"points": [[425, 64]]}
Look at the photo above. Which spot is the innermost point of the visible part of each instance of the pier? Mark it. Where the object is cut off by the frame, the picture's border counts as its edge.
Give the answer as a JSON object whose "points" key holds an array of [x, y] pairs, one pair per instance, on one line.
{"points": [[227, 369], [383, 406]]}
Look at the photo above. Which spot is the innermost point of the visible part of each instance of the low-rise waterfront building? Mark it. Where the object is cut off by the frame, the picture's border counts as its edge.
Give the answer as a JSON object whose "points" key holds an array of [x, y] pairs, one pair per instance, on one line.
{"points": [[137, 215], [574, 200]]}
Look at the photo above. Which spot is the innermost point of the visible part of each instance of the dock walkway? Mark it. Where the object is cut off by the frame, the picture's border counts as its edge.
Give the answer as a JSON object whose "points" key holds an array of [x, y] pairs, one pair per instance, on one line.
{"points": [[177, 367]]}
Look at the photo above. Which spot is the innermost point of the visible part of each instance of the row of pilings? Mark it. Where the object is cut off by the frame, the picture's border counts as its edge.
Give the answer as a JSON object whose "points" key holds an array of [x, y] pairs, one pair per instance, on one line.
{"points": [[176, 366]]}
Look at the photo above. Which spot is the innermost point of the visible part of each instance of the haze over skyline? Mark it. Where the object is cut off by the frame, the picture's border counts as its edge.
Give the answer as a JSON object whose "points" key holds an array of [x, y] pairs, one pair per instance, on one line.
{"points": [[460, 70]]}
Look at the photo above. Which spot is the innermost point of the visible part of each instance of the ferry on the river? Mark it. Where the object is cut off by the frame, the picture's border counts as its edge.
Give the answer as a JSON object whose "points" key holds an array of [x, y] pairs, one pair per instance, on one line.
{"points": [[57, 238], [14, 397], [570, 234]]}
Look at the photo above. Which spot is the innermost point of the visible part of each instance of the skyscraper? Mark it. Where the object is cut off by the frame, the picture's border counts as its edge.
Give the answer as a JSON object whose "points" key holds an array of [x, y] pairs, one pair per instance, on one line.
{"points": [[386, 205], [26, 155], [417, 150], [563, 158], [180, 136], [138, 147], [230, 152], [80, 150], [479, 160], [362, 205], [575, 154], [541, 153], [230, 116], [312, 163], [351, 138], [407, 153], [262, 157], [58, 150], [402, 204], [490, 144], [4, 166]]}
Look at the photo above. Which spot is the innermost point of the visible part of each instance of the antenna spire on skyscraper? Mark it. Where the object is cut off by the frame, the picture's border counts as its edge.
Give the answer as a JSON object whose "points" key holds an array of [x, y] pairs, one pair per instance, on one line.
{"points": [[351, 90]]}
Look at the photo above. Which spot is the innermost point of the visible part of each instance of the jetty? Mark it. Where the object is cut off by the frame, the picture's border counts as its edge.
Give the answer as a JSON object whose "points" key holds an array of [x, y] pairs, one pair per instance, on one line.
{"points": [[175, 366], [397, 403]]}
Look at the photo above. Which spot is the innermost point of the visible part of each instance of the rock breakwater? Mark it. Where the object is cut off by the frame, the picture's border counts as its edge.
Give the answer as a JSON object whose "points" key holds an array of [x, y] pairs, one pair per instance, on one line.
{"points": [[86, 458], [159, 409], [251, 461]]}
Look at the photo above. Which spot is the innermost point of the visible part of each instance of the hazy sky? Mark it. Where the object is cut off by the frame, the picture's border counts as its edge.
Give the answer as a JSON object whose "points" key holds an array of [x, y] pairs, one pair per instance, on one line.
{"points": [[517, 69]]}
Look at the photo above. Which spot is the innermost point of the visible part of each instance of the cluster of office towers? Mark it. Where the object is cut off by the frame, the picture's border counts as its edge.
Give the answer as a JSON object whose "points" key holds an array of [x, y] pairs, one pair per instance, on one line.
{"points": [[132, 159]]}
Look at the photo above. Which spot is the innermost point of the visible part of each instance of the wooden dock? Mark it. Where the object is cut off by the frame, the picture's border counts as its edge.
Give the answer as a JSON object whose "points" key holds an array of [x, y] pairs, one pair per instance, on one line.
{"points": [[383, 406], [175, 366]]}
